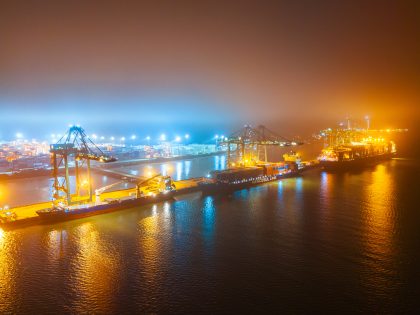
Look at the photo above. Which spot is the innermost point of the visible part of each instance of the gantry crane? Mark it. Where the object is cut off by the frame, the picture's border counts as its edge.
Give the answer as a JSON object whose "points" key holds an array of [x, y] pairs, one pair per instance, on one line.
{"points": [[253, 140], [76, 148]]}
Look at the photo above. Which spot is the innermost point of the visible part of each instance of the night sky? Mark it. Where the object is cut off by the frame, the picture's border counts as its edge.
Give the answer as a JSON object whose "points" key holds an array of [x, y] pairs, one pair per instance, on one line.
{"points": [[132, 64]]}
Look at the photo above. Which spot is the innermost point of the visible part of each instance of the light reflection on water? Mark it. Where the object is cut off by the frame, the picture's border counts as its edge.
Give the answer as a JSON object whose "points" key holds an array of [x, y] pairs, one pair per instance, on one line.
{"points": [[209, 220], [379, 211], [8, 270], [94, 267], [330, 240]]}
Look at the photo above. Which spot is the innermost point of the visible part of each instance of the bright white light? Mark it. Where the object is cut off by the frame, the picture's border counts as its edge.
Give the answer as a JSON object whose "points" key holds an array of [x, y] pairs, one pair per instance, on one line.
{"points": [[94, 136], [19, 135], [162, 137], [122, 138], [102, 138], [112, 138], [177, 138], [148, 138], [216, 136], [187, 136], [53, 135], [133, 137]]}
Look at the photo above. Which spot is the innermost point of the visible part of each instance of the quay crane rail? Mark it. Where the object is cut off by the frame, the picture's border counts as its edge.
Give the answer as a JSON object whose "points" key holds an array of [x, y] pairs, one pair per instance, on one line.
{"points": [[77, 146], [254, 139]]}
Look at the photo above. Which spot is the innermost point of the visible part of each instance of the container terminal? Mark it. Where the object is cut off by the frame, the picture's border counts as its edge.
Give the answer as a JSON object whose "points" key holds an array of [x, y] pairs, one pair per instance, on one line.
{"points": [[74, 152], [247, 165]]}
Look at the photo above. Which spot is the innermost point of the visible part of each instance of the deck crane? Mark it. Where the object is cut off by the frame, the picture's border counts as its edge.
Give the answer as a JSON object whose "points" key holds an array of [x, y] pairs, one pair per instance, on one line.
{"points": [[74, 148], [99, 191], [155, 184], [254, 139]]}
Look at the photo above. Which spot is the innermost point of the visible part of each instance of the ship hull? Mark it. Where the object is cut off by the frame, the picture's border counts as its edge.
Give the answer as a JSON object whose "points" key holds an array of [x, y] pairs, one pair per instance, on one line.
{"points": [[228, 188], [58, 216], [356, 163], [21, 223]]}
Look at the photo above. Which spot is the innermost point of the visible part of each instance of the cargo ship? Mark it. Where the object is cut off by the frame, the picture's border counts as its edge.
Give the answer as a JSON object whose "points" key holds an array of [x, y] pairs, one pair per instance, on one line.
{"points": [[156, 189], [237, 178], [354, 149], [65, 213]]}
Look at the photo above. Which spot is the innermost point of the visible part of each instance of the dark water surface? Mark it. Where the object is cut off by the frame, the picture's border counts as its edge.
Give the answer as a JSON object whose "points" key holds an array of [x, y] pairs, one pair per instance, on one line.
{"points": [[323, 242]]}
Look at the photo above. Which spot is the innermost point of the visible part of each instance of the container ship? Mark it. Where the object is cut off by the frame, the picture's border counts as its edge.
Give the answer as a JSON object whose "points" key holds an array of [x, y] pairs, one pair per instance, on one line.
{"points": [[65, 213], [236, 178], [354, 148]]}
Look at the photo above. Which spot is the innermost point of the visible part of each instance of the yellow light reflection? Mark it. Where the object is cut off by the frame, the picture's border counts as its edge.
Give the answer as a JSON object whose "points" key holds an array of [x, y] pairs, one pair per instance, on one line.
{"points": [[55, 244], [8, 269], [379, 198], [96, 266], [151, 242]]}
